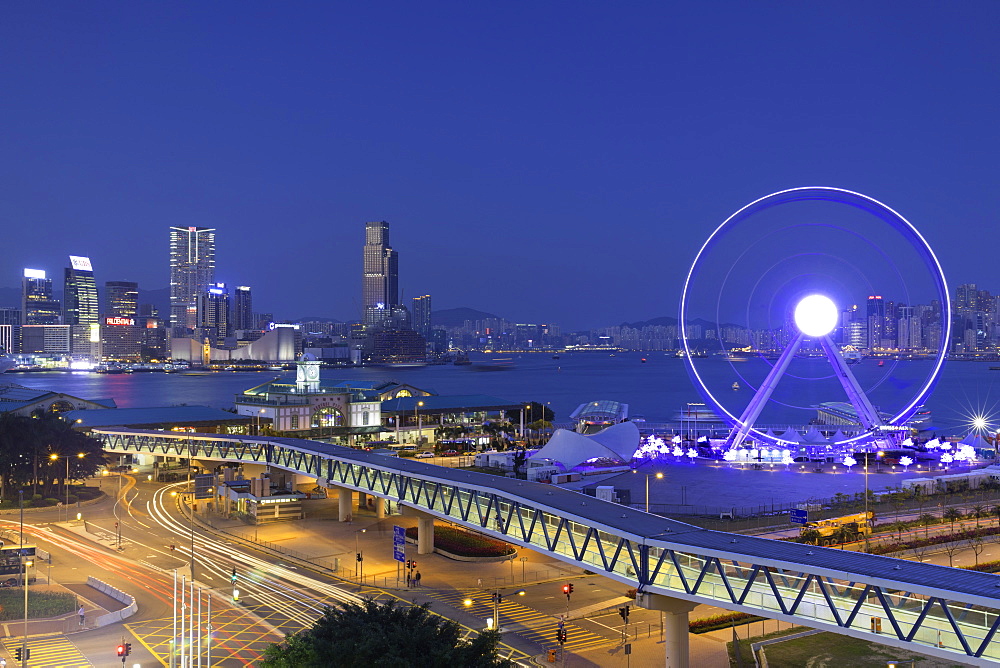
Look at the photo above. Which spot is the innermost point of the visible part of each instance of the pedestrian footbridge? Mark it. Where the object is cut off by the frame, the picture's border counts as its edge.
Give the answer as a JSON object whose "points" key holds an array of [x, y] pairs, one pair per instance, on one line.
{"points": [[949, 613]]}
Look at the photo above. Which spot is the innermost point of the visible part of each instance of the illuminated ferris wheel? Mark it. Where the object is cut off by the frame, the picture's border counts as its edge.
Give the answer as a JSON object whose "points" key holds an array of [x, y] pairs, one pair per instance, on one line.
{"points": [[793, 265]]}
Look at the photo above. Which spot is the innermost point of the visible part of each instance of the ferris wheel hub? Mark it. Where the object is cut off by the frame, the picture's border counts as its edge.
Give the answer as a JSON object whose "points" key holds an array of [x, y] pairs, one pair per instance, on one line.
{"points": [[816, 315]]}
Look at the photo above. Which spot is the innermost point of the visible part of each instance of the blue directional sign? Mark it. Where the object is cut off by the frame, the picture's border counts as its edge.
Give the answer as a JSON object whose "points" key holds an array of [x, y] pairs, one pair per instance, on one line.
{"points": [[399, 544], [798, 516]]}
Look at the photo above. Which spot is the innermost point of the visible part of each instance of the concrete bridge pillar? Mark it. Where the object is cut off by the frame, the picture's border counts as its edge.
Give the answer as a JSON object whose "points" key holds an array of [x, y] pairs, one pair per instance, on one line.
{"points": [[379, 507], [425, 529], [362, 501], [675, 625], [344, 498]]}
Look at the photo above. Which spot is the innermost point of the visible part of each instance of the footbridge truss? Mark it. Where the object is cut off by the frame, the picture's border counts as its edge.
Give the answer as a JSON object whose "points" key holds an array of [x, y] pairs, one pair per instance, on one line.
{"points": [[945, 612]]}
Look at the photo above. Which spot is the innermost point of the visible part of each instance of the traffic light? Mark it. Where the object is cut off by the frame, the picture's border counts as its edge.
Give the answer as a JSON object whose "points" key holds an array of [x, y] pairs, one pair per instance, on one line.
{"points": [[17, 654], [232, 578], [561, 636], [357, 555], [121, 650], [496, 597], [408, 563], [128, 648], [567, 589], [571, 587], [623, 611], [413, 564]]}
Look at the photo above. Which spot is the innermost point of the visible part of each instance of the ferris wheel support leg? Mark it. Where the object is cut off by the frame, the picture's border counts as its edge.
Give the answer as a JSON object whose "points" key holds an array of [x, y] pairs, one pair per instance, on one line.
{"points": [[867, 415], [759, 400]]}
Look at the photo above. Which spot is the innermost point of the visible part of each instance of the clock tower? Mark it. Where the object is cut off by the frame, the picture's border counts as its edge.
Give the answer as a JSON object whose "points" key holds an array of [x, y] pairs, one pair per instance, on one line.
{"points": [[307, 374]]}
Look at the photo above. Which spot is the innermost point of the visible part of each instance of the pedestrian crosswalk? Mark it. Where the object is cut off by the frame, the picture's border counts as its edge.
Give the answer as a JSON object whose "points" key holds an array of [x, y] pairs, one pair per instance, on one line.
{"points": [[49, 652], [520, 619]]}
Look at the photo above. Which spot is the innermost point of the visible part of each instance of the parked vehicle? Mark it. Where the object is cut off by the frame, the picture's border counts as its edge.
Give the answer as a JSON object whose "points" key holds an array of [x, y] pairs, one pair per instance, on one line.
{"points": [[424, 455]]}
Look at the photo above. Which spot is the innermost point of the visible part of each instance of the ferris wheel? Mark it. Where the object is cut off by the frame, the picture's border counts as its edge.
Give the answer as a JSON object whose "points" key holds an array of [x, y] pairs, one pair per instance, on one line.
{"points": [[787, 272]]}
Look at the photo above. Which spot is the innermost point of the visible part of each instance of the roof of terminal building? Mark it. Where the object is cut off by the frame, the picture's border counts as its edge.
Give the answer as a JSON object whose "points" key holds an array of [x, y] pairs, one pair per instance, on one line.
{"points": [[601, 409], [14, 396], [453, 402], [840, 564], [151, 416]]}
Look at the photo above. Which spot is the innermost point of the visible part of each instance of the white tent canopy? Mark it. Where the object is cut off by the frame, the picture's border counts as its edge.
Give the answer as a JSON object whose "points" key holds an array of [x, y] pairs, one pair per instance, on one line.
{"points": [[617, 442]]}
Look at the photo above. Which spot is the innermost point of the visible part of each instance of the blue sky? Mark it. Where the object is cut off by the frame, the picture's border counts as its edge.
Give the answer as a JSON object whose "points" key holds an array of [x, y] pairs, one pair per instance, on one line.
{"points": [[556, 161]]}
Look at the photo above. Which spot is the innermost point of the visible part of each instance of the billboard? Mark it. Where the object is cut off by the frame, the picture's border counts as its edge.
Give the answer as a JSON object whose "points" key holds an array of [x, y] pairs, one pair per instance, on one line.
{"points": [[118, 320], [34, 273], [80, 263]]}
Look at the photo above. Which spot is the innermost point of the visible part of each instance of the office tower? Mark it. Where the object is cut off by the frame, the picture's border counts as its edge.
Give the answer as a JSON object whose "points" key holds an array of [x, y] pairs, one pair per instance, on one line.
{"points": [[213, 312], [79, 293], [10, 330], [38, 307], [243, 309], [875, 315], [80, 306], [380, 279], [422, 316], [192, 270], [121, 299]]}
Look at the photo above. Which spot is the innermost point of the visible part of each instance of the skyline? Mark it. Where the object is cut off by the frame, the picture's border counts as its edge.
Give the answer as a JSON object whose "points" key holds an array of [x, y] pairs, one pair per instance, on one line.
{"points": [[583, 155]]}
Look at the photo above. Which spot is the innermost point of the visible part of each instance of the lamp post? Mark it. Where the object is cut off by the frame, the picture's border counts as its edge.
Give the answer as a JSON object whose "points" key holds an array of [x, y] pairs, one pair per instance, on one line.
{"points": [[54, 457], [259, 413], [497, 597], [416, 418], [359, 556], [659, 476]]}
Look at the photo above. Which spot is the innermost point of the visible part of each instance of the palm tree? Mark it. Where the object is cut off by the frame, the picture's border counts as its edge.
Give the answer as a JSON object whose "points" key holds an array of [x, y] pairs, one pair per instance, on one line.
{"points": [[811, 536], [926, 520], [978, 511], [996, 513], [952, 514], [843, 534]]}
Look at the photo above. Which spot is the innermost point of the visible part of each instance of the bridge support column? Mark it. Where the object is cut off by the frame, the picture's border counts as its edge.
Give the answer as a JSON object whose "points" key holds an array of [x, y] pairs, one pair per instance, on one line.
{"points": [[344, 498], [425, 529], [362, 501], [379, 507], [675, 625]]}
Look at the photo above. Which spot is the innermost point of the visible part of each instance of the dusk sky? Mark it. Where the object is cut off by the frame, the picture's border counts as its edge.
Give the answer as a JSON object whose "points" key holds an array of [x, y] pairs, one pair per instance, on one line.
{"points": [[543, 161]]}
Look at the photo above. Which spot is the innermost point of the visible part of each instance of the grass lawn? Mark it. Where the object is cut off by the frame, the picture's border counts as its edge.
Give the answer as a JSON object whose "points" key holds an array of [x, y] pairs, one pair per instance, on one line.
{"points": [[830, 650]]}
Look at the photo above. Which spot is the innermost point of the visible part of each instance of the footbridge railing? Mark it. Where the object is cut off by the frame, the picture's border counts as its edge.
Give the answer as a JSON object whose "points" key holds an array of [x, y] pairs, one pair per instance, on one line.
{"points": [[945, 612]]}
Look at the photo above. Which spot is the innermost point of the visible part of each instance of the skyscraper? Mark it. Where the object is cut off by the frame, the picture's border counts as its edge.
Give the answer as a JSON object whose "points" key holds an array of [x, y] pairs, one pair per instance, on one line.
{"points": [[121, 299], [422, 316], [80, 306], [192, 270], [80, 293], [243, 309], [213, 312], [37, 304], [380, 278]]}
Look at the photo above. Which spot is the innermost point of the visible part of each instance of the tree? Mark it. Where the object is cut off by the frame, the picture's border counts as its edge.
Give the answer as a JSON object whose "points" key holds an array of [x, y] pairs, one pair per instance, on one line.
{"points": [[843, 534], [978, 545], [27, 445], [811, 536], [926, 520], [370, 633], [533, 411], [520, 457], [978, 511], [952, 514]]}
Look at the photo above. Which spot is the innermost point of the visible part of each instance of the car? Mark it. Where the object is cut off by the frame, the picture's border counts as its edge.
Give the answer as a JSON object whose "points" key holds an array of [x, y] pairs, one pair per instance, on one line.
{"points": [[424, 455], [450, 453]]}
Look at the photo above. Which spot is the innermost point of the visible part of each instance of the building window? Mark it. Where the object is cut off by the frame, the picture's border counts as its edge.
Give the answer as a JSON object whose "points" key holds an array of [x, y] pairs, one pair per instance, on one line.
{"points": [[327, 416], [364, 418], [295, 422]]}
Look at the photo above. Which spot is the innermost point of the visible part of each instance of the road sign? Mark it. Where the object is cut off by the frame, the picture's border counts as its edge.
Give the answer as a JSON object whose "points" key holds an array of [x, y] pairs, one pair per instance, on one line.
{"points": [[398, 535], [798, 516], [203, 484], [398, 553]]}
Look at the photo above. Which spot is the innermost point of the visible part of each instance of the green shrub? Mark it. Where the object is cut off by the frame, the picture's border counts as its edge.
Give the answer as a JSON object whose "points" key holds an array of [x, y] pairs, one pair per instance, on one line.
{"points": [[716, 622], [464, 543], [40, 604]]}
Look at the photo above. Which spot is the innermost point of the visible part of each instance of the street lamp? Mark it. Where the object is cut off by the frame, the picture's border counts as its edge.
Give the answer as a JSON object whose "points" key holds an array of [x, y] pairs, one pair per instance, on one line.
{"points": [[659, 476], [54, 457], [416, 418], [359, 556], [259, 413], [497, 597]]}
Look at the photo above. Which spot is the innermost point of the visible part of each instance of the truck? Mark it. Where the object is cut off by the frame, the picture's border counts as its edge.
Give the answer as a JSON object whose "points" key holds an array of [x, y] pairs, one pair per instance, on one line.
{"points": [[858, 525]]}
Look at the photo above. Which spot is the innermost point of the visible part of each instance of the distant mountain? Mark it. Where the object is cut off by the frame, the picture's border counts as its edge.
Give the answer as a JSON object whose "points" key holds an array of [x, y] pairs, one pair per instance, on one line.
{"points": [[456, 317], [666, 321]]}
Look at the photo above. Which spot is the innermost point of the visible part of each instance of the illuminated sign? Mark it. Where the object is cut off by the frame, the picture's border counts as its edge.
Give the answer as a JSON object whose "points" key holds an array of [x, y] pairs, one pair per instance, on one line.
{"points": [[119, 321], [34, 273], [95, 333], [80, 263]]}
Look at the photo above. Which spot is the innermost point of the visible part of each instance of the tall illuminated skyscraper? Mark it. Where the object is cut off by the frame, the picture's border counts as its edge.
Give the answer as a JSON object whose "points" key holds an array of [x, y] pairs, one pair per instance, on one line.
{"points": [[422, 316], [121, 299], [213, 312], [38, 307], [243, 309], [80, 293], [380, 280], [192, 270]]}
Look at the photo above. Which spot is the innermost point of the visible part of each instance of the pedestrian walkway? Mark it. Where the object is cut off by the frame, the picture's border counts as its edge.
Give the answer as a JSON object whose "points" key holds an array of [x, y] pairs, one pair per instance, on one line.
{"points": [[522, 620], [50, 652]]}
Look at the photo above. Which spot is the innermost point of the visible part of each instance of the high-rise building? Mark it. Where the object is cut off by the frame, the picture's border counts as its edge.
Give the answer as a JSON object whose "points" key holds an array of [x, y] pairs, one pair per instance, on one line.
{"points": [[380, 278], [421, 314], [875, 313], [213, 312], [80, 293], [243, 309], [192, 270], [121, 299], [38, 306], [80, 305]]}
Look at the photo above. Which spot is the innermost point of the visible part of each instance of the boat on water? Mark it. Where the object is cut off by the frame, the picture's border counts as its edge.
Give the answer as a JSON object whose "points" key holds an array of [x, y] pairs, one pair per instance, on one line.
{"points": [[496, 364], [462, 359], [736, 386], [6, 363], [555, 357]]}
